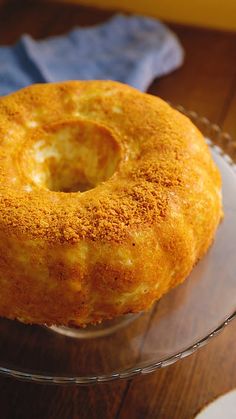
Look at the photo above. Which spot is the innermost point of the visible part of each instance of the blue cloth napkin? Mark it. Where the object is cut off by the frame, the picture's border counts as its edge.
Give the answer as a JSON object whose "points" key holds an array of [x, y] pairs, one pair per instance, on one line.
{"points": [[133, 50]]}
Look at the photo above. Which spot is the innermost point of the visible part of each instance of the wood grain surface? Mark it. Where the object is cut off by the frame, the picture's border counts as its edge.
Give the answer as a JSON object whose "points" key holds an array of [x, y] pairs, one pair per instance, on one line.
{"points": [[207, 84]]}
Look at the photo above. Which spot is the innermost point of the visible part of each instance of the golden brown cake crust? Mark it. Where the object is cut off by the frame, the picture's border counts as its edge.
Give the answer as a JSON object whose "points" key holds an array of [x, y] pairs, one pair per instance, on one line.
{"points": [[86, 256]]}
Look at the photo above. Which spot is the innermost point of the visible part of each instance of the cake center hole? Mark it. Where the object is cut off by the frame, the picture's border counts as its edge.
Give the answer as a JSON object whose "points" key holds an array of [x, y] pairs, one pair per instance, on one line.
{"points": [[72, 156]]}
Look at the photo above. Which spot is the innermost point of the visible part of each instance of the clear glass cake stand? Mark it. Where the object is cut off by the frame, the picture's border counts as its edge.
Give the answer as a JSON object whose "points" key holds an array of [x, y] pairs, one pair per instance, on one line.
{"points": [[180, 323]]}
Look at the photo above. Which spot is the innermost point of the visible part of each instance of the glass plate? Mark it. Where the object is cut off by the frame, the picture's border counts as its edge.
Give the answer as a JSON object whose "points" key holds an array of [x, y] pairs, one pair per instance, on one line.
{"points": [[181, 322]]}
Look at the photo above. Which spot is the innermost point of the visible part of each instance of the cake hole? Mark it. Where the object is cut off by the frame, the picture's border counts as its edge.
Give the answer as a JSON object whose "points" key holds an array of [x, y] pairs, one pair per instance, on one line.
{"points": [[72, 156]]}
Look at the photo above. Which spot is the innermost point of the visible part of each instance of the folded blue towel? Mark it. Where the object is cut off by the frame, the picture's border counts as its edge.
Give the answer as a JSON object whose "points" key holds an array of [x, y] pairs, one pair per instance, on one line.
{"points": [[133, 50]]}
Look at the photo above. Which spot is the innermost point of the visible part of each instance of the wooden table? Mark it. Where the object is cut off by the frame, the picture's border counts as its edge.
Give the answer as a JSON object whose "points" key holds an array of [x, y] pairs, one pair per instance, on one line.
{"points": [[207, 84]]}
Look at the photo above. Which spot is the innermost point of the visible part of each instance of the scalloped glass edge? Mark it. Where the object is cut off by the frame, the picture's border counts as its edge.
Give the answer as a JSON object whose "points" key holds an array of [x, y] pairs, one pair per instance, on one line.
{"points": [[222, 142]]}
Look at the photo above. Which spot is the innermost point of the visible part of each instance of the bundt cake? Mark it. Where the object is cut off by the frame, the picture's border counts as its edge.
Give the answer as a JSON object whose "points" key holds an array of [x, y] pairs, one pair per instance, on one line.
{"points": [[108, 198]]}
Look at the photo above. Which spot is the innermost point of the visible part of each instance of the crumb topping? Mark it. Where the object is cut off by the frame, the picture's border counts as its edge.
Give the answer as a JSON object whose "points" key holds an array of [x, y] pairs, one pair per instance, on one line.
{"points": [[162, 155]]}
